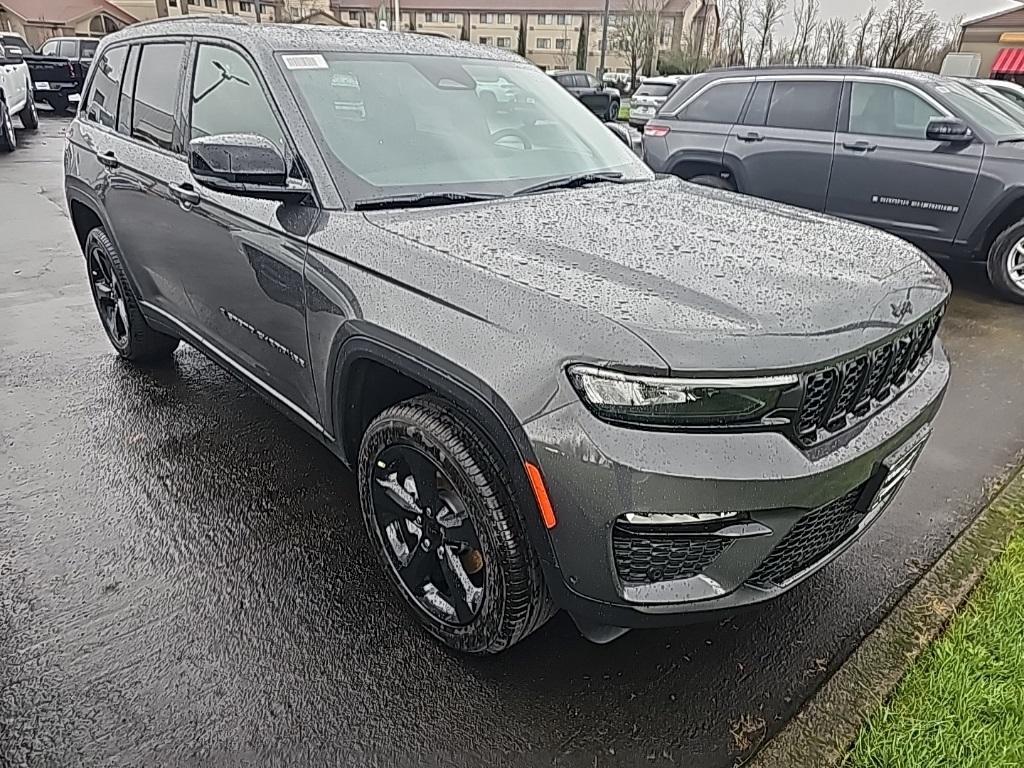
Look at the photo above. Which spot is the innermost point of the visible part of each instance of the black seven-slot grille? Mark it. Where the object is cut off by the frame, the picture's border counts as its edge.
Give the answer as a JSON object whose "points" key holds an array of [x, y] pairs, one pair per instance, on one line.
{"points": [[815, 535], [647, 556], [836, 396]]}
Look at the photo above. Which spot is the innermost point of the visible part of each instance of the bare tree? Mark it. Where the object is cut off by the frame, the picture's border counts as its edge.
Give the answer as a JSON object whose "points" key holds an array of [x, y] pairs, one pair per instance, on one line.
{"points": [[566, 54], [900, 26], [767, 16], [735, 21], [864, 36], [805, 19], [634, 34], [836, 44]]}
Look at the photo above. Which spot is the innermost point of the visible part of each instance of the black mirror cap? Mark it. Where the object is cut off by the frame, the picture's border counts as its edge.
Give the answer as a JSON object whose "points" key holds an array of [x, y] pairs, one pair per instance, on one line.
{"points": [[626, 136], [243, 164], [949, 129]]}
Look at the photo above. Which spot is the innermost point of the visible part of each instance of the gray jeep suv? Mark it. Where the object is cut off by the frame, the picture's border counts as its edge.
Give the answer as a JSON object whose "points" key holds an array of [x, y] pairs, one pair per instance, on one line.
{"points": [[688, 420], [924, 157]]}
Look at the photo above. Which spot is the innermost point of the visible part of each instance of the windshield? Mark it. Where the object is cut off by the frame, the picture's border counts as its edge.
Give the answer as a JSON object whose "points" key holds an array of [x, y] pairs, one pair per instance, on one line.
{"points": [[654, 89], [996, 98], [397, 125], [979, 110]]}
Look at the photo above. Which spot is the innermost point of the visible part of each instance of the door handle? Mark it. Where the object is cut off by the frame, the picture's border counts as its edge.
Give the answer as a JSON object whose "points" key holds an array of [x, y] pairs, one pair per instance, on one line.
{"points": [[185, 193], [107, 159], [750, 136], [859, 146]]}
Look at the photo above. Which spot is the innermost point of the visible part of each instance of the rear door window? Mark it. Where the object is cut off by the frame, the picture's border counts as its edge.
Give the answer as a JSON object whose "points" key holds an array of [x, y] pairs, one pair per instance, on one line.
{"points": [[805, 105], [156, 93], [87, 48], [67, 49], [101, 101], [721, 103]]}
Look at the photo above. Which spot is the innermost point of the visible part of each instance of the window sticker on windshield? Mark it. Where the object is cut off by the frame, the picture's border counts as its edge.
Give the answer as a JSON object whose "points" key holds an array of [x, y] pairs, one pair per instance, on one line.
{"points": [[304, 61]]}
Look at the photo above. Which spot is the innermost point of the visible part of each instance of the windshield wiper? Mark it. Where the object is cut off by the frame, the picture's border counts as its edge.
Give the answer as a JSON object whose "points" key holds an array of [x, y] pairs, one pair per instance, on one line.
{"points": [[423, 201], [568, 182]]}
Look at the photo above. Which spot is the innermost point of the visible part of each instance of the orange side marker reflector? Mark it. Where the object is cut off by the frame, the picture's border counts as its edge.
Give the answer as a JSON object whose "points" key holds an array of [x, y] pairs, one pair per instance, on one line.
{"points": [[540, 492]]}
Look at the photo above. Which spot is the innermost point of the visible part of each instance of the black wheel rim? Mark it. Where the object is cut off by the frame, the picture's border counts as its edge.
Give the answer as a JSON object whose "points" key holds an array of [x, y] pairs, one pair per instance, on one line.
{"points": [[426, 531], [109, 296]]}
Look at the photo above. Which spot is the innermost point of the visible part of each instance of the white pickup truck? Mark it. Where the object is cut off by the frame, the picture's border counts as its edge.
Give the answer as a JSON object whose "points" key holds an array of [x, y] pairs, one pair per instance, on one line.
{"points": [[15, 97]]}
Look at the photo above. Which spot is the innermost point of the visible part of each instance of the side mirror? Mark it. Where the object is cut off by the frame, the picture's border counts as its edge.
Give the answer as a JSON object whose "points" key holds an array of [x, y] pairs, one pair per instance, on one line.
{"points": [[625, 136], [244, 164], [949, 129]]}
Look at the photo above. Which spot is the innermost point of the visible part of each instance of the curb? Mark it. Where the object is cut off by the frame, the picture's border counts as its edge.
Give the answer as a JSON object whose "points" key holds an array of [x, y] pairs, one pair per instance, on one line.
{"points": [[822, 732]]}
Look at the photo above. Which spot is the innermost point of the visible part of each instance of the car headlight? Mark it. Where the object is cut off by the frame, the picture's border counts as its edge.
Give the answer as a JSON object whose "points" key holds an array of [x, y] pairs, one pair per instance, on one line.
{"points": [[667, 401]]}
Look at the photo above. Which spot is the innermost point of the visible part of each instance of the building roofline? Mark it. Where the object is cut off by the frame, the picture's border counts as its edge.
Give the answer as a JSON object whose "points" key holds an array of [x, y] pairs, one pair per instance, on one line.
{"points": [[992, 15]]}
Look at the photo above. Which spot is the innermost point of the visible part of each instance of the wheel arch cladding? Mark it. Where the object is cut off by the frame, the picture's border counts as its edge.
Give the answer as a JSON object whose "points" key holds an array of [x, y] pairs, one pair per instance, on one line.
{"points": [[1004, 216], [358, 395], [84, 219]]}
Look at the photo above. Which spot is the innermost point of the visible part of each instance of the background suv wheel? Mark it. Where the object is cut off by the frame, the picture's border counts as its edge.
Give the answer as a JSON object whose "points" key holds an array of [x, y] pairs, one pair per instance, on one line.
{"points": [[439, 514], [1006, 263], [118, 309], [8, 140]]}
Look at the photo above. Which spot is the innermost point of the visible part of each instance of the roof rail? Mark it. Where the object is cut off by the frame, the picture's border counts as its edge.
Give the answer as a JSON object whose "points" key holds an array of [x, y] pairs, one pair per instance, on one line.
{"points": [[219, 18]]}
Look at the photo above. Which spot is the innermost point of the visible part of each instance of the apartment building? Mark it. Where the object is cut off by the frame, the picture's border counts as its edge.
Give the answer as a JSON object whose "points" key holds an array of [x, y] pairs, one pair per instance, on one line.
{"points": [[550, 33], [269, 10]]}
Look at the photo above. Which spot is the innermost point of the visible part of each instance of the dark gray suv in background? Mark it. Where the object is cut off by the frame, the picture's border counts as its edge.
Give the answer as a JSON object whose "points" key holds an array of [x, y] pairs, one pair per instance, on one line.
{"points": [[687, 421], [924, 157]]}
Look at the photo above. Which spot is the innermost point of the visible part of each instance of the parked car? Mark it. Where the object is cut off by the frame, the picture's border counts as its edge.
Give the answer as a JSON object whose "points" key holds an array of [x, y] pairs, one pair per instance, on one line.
{"points": [[921, 156], [15, 96], [60, 69], [601, 99], [997, 98], [651, 94], [690, 417], [1010, 90]]}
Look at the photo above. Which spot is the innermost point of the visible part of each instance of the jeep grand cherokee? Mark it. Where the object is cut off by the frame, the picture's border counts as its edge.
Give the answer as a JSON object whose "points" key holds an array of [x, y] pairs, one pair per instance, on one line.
{"points": [[689, 419]]}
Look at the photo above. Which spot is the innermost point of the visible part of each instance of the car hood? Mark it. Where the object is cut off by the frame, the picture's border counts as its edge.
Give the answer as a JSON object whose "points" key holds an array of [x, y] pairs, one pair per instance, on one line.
{"points": [[710, 279]]}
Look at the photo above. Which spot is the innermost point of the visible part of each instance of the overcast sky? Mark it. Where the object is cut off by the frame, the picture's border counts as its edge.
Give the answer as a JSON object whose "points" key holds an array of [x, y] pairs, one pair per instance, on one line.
{"points": [[945, 8]]}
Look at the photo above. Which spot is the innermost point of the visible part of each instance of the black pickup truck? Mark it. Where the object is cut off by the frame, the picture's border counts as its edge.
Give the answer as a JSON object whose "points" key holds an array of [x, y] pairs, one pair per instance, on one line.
{"points": [[58, 69]]}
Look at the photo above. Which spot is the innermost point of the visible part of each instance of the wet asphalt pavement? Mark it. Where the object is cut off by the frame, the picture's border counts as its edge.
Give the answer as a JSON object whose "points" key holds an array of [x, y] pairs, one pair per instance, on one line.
{"points": [[184, 579]]}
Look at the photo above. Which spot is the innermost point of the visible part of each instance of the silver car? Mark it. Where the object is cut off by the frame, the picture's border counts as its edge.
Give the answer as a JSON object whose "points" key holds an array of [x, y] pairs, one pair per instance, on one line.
{"points": [[651, 94]]}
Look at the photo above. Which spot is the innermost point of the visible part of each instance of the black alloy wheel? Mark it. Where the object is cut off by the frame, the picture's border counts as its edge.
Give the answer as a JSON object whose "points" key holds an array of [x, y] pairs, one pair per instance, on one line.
{"points": [[425, 528], [109, 295]]}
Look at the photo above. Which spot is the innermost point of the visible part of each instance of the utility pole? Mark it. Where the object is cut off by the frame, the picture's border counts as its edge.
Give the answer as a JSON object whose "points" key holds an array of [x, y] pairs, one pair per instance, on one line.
{"points": [[257, 11], [604, 42]]}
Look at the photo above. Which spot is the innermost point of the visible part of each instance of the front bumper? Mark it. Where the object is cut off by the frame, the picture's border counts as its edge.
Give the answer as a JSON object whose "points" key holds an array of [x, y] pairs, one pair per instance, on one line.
{"points": [[596, 473]]}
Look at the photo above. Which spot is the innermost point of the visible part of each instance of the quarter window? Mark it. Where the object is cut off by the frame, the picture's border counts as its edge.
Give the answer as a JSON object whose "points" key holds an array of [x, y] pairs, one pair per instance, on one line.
{"points": [[156, 93], [718, 104], [227, 97], [880, 109], [805, 105], [101, 102]]}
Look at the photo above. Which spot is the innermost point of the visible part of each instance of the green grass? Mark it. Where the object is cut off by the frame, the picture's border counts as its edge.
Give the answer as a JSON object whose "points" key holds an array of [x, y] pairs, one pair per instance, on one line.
{"points": [[624, 112], [962, 703]]}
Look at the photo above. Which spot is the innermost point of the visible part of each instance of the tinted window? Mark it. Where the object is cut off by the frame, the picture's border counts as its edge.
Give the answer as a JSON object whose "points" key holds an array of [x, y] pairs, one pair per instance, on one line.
{"points": [[879, 109], [156, 93], [757, 110], [718, 104], [67, 49], [14, 44], [88, 48], [227, 97], [124, 110], [101, 103], [654, 89], [805, 105]]}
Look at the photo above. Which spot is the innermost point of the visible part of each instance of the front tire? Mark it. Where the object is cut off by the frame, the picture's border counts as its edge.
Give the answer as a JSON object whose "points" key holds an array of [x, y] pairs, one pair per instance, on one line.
{"points": [[613, 112], [8, 139], [438, 509], [117, 306], [1006, 263], [29, 116]]}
